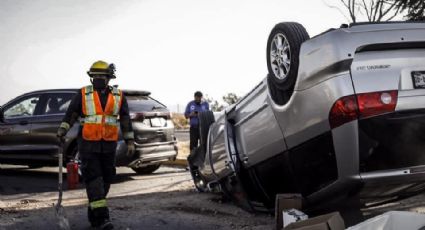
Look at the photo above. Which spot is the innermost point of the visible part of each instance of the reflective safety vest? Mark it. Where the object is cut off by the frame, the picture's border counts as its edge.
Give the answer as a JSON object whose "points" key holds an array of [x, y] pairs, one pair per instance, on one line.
{"points": [[99, 124]]}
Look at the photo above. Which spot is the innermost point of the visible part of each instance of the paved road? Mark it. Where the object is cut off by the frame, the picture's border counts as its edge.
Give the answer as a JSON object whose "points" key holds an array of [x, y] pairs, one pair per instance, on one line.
{"points": [[182, 135]]}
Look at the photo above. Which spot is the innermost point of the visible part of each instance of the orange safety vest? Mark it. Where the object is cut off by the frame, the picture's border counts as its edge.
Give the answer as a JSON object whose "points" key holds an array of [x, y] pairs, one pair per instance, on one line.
{"points": [[99, 124]]}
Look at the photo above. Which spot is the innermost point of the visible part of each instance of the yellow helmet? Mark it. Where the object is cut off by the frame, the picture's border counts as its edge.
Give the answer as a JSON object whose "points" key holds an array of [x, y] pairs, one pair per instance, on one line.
{"points": [[102, 68]]}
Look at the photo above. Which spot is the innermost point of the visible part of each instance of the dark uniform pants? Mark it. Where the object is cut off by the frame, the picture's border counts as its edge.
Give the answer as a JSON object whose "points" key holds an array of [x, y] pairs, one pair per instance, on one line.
{"points": [[98, 169], [194, 137]]}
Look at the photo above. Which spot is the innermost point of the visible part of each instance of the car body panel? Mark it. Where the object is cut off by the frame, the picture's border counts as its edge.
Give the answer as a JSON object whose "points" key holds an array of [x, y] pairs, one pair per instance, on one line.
{"points": [[300, 125], [252, 118], [410, 99], [220, 162], [386, 70], [321, 53], [15, 131]]}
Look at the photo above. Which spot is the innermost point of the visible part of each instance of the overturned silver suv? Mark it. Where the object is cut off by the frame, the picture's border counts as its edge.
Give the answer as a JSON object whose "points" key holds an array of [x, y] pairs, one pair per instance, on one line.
{"points": [[341, 114]]}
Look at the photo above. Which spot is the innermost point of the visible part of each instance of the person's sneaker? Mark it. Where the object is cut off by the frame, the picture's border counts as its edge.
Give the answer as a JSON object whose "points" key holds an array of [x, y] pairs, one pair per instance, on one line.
{"points": [[106, 225]]}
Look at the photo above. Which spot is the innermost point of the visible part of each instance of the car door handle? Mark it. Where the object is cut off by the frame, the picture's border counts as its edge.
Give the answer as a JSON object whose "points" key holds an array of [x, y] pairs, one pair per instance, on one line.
{"points": [[23, 122]]}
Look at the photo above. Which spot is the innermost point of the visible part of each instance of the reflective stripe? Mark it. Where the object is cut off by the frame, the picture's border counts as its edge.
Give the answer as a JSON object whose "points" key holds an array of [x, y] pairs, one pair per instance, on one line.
{"points": [[89, 89], [90, 106], [115, 91], [65, 125], [97, 119], [98, 204], [93, 119], [128, 136], [111, 120], [117, 99]]}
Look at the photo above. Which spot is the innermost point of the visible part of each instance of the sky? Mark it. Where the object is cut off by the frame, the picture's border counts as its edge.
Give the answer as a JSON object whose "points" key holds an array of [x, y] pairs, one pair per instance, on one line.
{"points": [[170, 48]]}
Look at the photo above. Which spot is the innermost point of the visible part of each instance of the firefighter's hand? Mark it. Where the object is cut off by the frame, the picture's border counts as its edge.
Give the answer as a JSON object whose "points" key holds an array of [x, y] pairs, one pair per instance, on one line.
{"points": [[61, 133], [131, 149]]}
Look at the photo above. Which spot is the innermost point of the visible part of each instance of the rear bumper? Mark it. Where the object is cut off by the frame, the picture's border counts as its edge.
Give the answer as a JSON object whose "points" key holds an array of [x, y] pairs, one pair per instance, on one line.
{"points": [[146, 154], [396, 182], [373, 186]]}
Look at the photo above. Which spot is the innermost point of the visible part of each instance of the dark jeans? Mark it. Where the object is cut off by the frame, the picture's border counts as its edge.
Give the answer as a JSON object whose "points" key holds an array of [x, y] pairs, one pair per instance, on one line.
{"points": [[98, 169], [194, 137]]}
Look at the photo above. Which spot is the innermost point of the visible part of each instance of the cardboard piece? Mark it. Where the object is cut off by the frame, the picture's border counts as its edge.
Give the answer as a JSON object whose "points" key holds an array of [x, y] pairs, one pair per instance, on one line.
{"points": [[286, 202], [331, 221], [293, 215]]}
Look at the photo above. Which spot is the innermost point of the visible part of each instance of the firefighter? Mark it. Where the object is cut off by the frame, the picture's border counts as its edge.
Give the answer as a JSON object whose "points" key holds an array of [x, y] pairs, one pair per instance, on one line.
{"points": [[98, 106]]}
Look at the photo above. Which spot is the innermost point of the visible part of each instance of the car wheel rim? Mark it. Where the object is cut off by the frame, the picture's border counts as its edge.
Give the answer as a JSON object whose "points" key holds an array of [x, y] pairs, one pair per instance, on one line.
{"points": [[199, 183], [280, 56]]}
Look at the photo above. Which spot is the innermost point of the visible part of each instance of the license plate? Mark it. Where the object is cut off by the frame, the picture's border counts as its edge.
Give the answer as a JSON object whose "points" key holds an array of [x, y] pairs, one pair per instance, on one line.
{"points": [[158, 122], [418, 78]]}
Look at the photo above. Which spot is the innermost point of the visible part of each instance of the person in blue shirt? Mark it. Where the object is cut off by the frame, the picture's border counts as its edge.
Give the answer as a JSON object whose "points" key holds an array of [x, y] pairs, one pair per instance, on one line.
{"points": [[193, 108]]}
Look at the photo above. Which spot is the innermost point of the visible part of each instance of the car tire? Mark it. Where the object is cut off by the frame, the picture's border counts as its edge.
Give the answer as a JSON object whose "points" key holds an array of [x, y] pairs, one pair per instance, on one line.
{"points": [[148, 169], [206, 118], [283, 49], [198, 181]]}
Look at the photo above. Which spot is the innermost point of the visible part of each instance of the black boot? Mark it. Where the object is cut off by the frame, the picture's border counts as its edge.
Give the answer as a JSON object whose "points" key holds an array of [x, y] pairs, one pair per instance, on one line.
{"points": [[91, 218], [101, 218], [106, 224]]}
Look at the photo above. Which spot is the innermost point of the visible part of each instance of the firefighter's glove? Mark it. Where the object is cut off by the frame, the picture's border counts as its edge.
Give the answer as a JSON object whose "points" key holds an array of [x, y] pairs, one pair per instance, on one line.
{"points": [[63, 129], [131, 149], [61, 134]]}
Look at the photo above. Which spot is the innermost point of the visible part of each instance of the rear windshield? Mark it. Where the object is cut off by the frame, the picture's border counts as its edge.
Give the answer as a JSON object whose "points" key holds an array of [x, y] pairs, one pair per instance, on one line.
{"points": [[143, 104]]}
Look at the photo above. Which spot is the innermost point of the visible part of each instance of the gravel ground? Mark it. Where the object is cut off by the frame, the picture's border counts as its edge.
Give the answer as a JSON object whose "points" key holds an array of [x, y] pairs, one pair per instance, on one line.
{"points": [[163, 200]]}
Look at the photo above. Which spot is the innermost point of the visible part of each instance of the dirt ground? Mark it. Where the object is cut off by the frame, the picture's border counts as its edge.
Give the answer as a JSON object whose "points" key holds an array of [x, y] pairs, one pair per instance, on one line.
{"points": [[163, 200]]}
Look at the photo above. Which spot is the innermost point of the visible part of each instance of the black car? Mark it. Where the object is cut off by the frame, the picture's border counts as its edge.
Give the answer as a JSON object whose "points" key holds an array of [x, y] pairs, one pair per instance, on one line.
{"points": [[28, 126]]}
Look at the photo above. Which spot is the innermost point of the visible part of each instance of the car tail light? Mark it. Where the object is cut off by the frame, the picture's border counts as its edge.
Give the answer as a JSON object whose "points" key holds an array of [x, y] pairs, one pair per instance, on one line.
{"points": [[137, 116], [344, 110], [372, 104], [362, 105], [167, 115]]}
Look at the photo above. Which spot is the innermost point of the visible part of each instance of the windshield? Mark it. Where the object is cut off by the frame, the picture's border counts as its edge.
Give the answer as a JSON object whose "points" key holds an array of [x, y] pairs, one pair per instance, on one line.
{"points": [[143, 104]]}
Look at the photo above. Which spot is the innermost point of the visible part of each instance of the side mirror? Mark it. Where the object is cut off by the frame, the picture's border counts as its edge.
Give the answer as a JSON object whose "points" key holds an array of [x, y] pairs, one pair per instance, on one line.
{"points": [[1, 115]]}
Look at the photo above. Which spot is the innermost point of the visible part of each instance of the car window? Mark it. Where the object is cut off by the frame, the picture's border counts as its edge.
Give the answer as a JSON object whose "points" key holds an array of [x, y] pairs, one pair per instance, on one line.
{"points": [[143, 104], [57, 103], [22, 108]]}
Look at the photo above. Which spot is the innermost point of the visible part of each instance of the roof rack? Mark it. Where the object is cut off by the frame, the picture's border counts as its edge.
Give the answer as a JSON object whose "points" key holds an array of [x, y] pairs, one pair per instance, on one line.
{"points": [[374, 23]]}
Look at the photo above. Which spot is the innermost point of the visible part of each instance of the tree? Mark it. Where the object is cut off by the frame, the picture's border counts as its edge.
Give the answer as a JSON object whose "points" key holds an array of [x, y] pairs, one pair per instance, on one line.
{"points": [[214, 105], [415, 9], [382, 10], [230, 98]]}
